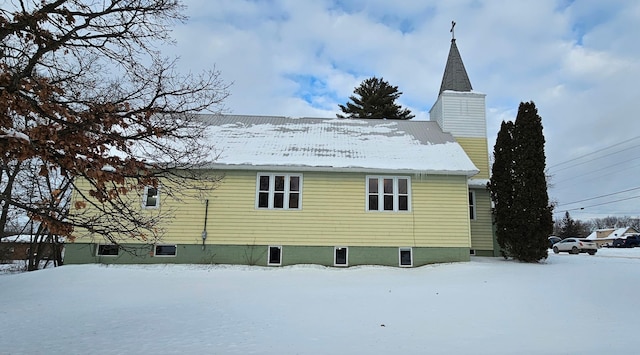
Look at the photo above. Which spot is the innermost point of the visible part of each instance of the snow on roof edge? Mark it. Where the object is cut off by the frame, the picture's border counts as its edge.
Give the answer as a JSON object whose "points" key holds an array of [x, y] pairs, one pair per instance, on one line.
{"points": [[353, 169], [478, 182]]}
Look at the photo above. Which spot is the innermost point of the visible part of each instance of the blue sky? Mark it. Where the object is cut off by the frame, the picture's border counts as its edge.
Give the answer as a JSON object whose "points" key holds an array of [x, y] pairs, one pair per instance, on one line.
{"points": [[577, 60]]}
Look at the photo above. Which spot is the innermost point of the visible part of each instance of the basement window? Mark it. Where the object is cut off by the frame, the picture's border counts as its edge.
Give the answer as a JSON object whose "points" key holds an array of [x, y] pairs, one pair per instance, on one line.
{"points": [[165, 250], [406, 257], [151, 197], [274, 256], [107, 250], [341, 256]]}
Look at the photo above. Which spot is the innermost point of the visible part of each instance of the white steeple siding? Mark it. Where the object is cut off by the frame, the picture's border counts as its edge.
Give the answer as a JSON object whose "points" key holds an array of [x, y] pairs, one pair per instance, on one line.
{"points": [[459, 110], [462, 114]]}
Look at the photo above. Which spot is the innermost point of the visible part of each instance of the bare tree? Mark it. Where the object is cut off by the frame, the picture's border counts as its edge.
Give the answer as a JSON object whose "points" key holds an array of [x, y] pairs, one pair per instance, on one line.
{"points": [[615, 222], [49, 192], [90, 105]]}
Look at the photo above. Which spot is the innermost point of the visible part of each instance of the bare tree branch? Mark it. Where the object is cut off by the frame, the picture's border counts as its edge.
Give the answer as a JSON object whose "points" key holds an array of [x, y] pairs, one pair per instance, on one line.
{"points": [[88, 102]]}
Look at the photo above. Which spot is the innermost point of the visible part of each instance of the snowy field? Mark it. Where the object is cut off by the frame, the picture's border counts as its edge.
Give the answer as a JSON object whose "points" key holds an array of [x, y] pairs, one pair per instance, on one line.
{"points": [[571, 304]]}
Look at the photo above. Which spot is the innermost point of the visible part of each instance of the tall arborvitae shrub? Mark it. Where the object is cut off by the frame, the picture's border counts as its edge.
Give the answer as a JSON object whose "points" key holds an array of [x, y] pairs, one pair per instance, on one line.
{"points": [[501, 187], [518, 187], [535, 222]]}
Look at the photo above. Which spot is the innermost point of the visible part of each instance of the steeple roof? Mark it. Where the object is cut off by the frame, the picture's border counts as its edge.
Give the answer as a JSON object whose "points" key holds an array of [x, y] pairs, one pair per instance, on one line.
{"points": [[455, 76]]}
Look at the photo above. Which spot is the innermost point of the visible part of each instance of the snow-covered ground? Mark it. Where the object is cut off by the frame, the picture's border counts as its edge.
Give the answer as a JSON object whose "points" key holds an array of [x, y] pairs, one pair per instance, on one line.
{"points": [[571, 304]]}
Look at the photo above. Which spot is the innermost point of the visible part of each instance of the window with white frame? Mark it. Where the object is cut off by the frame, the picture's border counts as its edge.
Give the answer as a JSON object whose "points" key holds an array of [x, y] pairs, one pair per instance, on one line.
{"points": [[274, 255], [165, 250], [107, 250], [151, 197], [388, 193], [279, 191], [406, 256], [341, 256], [472, 205]]}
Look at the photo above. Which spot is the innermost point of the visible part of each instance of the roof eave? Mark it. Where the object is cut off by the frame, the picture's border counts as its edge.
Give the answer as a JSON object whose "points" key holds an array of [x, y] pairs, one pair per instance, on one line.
{"points": [[478, 183], [303, 168]]}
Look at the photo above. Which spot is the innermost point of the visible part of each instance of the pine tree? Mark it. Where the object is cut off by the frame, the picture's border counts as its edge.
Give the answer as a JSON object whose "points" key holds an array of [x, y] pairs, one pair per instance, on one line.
{"points": [[375, 98], [568, 227], [518, 186]]}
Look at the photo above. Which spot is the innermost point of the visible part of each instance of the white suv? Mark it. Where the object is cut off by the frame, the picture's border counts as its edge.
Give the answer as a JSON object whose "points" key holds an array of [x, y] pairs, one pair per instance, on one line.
{"points": [[576, 246]]}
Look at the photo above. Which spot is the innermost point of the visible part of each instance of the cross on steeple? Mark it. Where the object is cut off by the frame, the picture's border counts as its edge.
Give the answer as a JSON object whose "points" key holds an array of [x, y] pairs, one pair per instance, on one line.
{"points": [[453, 34], [455, 75]]}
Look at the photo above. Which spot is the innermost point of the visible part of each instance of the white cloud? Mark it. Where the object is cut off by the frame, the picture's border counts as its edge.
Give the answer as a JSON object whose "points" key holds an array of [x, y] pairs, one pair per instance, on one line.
{"points": [[592, 65]]}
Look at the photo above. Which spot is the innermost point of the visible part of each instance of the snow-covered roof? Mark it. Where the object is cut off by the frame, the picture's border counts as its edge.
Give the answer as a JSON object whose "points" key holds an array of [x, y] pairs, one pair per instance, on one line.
{"points": [[619, 232], [23, 238], [592, 236], [613, 233], [268, 142], [478, 183]]}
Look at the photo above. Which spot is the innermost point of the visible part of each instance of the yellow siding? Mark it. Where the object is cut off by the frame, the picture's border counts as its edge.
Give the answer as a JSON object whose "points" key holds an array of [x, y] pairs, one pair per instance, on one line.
{"points": [[477, 150], [481, 227], [133, 197], [441, 210], [333, 213]]}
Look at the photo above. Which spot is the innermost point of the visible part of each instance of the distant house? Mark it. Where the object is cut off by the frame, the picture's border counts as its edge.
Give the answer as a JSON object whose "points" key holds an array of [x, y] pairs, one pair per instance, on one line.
{"points": [[18, 247], [336, 192], [606, 236]]}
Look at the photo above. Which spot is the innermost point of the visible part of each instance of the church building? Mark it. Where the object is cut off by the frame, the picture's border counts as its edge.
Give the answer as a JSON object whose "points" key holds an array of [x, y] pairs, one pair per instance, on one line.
{"points": [[327, 191]]}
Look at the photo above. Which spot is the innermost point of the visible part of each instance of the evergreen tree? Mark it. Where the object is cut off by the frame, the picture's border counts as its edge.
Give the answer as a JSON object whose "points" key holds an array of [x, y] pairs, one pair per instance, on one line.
{"points": [[568, 227], [532, 200], [523, 215], [501, 186], [375, 98]]}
